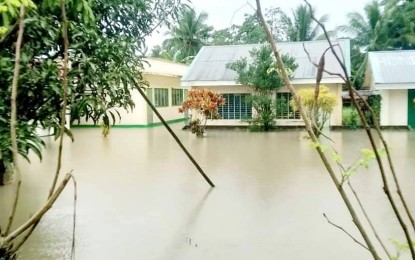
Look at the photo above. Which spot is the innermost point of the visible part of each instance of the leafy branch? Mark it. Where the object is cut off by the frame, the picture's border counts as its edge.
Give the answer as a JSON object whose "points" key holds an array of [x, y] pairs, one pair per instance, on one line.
{"points": [[7, 238], [369, 133], [13, 116]]}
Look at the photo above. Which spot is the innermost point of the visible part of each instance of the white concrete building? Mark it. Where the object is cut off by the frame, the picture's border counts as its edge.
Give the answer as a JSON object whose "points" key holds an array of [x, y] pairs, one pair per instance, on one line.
{"points": [[164, 91], [208, 70], [392, 74]]}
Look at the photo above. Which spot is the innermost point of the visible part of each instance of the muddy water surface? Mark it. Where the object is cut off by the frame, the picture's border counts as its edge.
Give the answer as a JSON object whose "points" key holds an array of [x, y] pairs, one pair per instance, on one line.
{"points": [[139, 197]]}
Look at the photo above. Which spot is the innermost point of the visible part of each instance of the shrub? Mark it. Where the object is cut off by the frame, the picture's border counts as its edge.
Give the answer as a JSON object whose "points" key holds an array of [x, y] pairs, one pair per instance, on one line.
{"points": [[202, 104], [350, 117], [374, 102], [326, 102]]}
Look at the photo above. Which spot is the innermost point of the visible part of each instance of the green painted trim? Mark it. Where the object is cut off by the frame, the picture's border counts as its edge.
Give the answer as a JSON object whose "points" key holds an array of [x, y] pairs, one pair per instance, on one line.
{"points": [[173, 121], [411, 108]]}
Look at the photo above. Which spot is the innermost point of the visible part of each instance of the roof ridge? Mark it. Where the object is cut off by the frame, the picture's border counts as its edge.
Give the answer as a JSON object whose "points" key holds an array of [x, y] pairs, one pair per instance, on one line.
{"points": [[287, 42]]}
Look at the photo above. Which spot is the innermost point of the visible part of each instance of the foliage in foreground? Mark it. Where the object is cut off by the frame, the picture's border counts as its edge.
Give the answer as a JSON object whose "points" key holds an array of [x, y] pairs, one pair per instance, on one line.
{"points": [[106, 42], [202, 104]]}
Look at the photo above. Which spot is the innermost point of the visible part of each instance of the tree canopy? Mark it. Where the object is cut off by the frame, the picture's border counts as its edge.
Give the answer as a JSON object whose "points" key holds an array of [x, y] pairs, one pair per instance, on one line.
{"points": [[186, 37], [260, 74], [386, 25], [106, 44], [301, 27]]}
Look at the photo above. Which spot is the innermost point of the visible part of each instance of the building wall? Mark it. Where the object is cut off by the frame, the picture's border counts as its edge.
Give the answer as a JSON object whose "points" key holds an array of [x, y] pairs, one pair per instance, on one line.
{"points": [[230, 90], [394, 107], [170, 112], [142, 114], [335, 120], [138, 115]]}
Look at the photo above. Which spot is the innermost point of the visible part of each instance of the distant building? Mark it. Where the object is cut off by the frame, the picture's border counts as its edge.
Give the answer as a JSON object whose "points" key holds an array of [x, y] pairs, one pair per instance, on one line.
{"points": [[164, 91], [208, 70], [392, 74]]}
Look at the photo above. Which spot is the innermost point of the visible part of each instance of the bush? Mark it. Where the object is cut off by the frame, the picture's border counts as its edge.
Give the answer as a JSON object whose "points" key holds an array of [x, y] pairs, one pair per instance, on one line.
{"points": [[202, 104], [374, 102], [264, 118], [350, 117]]}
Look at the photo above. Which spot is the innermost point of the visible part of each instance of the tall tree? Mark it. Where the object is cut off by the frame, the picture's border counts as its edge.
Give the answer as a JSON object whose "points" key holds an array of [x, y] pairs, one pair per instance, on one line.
{"points": [[226, 36], [251, 31], [301, 26], [400, 24], [387, 25], [367, 35], [188, 36], [262, 76], [365, 29]]}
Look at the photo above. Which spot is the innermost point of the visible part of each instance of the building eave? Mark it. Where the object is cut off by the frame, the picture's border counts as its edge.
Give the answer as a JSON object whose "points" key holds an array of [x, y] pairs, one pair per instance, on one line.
{"points": [[392, 86], [233, 83]]}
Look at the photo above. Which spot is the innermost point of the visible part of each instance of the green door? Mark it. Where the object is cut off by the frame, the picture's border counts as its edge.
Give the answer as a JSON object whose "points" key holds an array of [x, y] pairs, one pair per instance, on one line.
{"points": [[411, 108]]}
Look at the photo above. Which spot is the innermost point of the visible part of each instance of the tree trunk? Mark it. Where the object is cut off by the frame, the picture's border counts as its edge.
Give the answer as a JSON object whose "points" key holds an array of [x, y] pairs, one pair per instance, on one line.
{"points": [[2, 172]]}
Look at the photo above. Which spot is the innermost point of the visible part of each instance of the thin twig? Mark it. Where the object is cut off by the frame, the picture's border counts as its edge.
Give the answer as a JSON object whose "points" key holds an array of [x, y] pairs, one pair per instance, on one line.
{"points": [[388, 155], [63, 117], [368, 219], [33, 227], [316, 65], [75, 197], [65, 94], [307, 123], [386, 187], [318, 85], [13, 117], [345, 231], [165, 16], [39, 214]]}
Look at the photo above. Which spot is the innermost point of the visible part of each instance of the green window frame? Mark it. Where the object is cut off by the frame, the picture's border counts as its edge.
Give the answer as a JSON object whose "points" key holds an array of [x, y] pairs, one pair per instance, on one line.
{"points": [[177, 97], [161, 97], [283, 108], [237, 106]]}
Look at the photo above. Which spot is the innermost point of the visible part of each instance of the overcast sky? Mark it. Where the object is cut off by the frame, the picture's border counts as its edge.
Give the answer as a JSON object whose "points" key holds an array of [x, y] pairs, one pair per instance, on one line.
{"points": [[223, 13]]}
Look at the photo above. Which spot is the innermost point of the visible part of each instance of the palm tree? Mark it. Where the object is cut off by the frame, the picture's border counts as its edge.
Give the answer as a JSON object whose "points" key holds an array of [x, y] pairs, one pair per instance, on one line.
{"points": [[366, 29], [383, 26], [302, 27], [367, 35], [399, 24], [188, 36]]}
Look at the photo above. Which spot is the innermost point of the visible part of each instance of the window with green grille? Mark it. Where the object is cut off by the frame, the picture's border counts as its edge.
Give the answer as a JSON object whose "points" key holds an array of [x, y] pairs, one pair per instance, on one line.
{"points": [[177, 97], [236, 107], [161, 97], [283, 108]]}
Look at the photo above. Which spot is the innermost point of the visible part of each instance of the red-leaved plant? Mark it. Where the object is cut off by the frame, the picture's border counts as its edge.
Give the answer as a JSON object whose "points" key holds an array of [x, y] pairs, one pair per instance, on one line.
{"points": [[202, 104]]}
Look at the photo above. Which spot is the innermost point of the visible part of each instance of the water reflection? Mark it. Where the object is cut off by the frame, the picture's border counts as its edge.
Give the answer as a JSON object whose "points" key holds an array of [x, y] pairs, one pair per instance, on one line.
{"points": [[141, 198]]}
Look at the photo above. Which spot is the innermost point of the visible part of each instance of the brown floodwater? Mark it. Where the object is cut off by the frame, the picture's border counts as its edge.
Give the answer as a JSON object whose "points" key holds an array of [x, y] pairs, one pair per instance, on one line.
{"points": [[139, 197]]}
